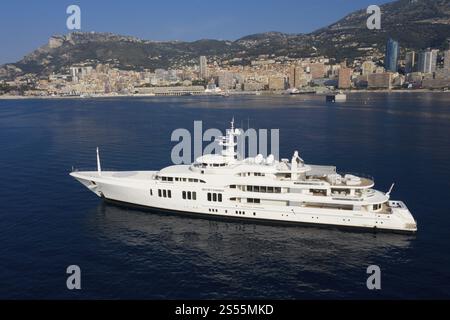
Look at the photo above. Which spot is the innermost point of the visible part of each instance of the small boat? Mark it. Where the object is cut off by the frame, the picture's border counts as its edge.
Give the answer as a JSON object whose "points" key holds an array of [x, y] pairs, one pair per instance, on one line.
{"points": [[339, 97]]}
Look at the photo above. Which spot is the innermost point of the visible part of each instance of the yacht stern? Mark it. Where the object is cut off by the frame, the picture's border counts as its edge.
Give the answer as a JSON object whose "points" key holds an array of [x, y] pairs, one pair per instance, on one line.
{"points": [[400, 210]]}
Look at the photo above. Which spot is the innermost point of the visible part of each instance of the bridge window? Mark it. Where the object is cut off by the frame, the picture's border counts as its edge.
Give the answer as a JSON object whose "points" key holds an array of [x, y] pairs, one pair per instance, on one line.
{"points": [[263, 189]]}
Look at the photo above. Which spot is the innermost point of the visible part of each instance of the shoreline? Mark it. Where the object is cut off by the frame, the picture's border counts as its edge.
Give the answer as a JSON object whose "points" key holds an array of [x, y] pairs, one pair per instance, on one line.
{"points": [[260, 93]]}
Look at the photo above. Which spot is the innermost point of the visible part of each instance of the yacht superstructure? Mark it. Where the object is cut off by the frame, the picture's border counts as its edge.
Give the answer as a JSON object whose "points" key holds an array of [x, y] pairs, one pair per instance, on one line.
{"points": [[255, 188]]}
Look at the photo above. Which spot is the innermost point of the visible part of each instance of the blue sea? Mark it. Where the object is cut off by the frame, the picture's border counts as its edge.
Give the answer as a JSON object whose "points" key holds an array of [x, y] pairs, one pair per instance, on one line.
{"points": [[49, 221]]}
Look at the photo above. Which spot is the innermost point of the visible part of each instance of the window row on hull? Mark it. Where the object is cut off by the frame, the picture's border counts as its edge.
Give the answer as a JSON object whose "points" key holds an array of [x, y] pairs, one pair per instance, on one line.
{"points": [[177, 179], [218, 197], [189, 195]]}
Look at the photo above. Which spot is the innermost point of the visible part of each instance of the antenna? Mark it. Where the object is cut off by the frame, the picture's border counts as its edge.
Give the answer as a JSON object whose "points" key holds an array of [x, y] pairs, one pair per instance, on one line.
{"points": [[390, 189], [99, 167]]}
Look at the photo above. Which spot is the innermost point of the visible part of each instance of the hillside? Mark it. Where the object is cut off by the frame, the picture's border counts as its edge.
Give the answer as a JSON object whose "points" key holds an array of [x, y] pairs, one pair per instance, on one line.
{"points": [[416, 24]]}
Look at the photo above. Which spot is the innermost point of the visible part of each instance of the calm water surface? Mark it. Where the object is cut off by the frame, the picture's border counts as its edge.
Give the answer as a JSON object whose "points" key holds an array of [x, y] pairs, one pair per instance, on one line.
{"points": [[49, 221]]}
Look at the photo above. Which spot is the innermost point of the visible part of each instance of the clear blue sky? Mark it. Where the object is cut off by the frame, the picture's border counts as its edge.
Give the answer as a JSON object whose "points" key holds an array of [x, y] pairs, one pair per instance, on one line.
{"points": [[26, 25]]}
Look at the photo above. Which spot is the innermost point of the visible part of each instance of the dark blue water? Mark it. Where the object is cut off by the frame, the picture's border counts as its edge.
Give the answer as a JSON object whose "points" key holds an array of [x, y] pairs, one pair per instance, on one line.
{"points": [[48, 221]]}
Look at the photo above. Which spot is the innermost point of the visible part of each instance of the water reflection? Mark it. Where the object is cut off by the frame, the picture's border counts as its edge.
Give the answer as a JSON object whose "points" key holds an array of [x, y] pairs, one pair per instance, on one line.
{"points": [[308, 248]]}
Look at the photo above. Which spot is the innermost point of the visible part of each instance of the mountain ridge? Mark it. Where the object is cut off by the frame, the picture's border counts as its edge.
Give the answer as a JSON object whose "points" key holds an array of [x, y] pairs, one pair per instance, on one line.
{"points": [[416, 24]]}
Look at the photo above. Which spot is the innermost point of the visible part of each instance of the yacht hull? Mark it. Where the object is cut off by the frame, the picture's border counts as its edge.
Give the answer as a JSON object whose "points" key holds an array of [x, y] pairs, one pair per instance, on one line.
{"points": [[137, 193], [260, 221]]}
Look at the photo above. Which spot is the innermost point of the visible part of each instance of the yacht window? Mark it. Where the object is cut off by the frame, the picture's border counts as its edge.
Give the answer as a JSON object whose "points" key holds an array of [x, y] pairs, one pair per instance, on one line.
{"points": [[159, 192], [169, 179], [255, 188], [319, 192], [219, 197], [277, 190], [194, 195], [233, 186], [209, 196], [151, 192], [270, 189], [164, 194], [189, 195], [249, 188], [257, 200], [214, 197], [169, 193], [184, 194], [262, 189], [176, 179]]}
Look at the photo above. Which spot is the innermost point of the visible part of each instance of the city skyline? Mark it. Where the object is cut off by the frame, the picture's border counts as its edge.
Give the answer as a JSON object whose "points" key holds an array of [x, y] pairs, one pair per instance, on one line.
{"points": [[33, 26]]}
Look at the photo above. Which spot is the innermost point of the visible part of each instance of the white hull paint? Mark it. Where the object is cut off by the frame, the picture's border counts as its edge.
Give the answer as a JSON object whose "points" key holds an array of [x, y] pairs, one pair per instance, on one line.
{"points": [[130, 192]]}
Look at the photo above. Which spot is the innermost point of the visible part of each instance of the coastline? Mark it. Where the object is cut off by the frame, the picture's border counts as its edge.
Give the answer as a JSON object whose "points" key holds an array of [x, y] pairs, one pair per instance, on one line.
{"points": [[259, 93]]}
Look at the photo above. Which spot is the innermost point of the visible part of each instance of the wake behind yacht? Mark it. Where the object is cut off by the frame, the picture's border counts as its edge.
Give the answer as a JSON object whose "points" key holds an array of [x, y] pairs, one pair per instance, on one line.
{"points": [[256, 188]]}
